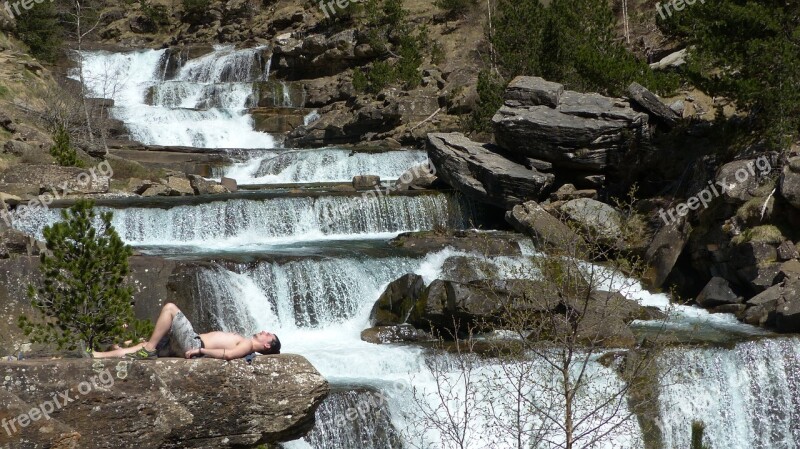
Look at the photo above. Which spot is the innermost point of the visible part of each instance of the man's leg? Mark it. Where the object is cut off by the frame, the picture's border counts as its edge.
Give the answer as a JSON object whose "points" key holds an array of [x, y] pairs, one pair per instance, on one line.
{"points": [[122, 352], [163, 325]]}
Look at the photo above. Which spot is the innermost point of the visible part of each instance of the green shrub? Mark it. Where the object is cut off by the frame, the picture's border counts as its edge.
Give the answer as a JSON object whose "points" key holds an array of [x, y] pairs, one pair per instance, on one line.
{"points": [[40, 30], [63, 151], [83, 299], [156, 15], [194, 11], [455, 7], [490, 98]]}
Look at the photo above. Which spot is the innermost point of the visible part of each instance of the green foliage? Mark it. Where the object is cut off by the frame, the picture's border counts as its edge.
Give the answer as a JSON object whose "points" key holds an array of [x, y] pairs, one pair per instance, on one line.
{"points": [[571, 42], [83, 297], [490, 98], [194, 11], [63, 151], [748, 51], [455, 7], [156, 15], [385, 22], [40, 30], [4, 91], [698, 429]]}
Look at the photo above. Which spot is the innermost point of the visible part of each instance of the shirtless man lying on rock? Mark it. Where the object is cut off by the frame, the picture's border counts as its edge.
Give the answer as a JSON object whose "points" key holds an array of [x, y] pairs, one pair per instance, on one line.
{"points": [[174, 337]]}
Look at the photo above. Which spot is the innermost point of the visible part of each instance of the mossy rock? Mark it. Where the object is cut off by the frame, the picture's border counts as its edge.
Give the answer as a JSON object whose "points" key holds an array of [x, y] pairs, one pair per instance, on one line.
{"points": [[760, 234]]}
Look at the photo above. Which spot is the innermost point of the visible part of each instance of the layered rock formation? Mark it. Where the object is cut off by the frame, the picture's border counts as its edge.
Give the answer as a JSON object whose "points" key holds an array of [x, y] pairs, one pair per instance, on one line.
{"points": [[163, 403], [571, 130], [483, 174]]}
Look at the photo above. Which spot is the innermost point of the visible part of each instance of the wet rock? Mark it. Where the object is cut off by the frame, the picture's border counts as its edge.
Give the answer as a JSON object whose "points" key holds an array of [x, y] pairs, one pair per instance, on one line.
{"points": [[583, 131], [546, 230], [717, 292], [652, 104], [467, 269], [393, 334], [664, 249], [761, 308], [759, 277], [169, 402], [481, 174], [366, 182], [397, 301]]}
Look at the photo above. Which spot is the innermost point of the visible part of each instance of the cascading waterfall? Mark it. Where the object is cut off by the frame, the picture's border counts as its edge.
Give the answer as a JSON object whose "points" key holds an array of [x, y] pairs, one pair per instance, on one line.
{"points": [[325, 165], [203, 105], [242, 222], [748, 397]]}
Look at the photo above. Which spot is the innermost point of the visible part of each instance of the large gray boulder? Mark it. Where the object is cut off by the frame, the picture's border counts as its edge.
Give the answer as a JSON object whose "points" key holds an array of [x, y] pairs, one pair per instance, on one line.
{"points": [[546, 230], [652, 104], [580, 131], [163, 403], [790, 182], [598, 218], [664, 249], [482, 174]]}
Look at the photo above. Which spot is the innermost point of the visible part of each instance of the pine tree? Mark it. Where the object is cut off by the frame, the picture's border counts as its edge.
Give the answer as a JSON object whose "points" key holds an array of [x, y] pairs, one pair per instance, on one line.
{"points": [[83, 298], [39, 29], [63, 151], [748, 51]]}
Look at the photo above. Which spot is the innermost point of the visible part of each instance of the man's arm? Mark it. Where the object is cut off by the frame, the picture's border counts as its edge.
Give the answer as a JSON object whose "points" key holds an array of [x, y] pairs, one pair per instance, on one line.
{"points": [[242, 349]]}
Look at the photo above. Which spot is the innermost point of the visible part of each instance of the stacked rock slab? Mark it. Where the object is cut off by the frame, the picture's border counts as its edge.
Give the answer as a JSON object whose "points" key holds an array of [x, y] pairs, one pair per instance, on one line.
{"points": [[588, 132]]}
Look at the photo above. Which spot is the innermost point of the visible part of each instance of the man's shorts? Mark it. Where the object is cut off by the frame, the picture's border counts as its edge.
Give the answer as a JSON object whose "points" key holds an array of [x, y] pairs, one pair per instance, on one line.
{"points": [[181, 338]]}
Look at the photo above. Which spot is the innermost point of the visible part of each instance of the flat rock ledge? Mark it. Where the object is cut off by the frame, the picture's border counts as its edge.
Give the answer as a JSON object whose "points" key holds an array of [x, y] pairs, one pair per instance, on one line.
{"points": [[164, 403]]}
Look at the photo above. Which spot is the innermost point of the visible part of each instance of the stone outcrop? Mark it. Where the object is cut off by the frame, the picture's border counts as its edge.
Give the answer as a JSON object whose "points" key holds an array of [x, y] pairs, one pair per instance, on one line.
{"points": [[161, 403], [790, 182], [569, 129], [450, 308], [532, 219], [482, 174], [652, 104], [597, 218], [54, 177], [487, 243]]}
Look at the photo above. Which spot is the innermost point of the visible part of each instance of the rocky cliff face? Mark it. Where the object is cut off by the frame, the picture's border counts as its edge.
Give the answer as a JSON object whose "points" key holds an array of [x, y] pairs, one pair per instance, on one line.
{"points": [[166, 403]]}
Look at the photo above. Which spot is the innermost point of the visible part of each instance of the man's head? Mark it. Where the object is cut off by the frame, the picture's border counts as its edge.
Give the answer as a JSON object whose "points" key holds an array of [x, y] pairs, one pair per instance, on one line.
{"points": [[269, 342]]}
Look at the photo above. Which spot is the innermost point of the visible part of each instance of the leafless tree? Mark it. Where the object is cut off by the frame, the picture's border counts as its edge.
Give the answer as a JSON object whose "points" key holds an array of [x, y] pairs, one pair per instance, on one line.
{"points": [[570, 376]]}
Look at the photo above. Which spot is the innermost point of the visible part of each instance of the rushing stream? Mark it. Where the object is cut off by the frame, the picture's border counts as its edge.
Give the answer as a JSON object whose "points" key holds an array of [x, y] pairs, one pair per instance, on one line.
{"points": [[747, 395]]}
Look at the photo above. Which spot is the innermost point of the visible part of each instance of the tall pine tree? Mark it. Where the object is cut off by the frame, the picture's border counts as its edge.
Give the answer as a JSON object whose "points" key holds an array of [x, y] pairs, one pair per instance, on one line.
{"points": [[83, 298]]}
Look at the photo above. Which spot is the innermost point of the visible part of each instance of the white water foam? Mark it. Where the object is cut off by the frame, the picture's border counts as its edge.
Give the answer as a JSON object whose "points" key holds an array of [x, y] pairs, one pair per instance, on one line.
{"points": [[323, 165], [220, 81]]}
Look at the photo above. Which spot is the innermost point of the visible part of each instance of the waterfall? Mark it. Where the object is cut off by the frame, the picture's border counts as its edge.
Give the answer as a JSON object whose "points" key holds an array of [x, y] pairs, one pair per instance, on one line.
{"points": [[748, 396], [300, 294], [325, 165], [240, 223], [204, 105]]}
